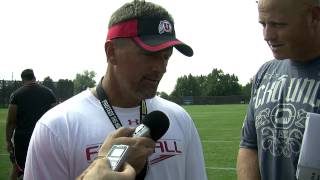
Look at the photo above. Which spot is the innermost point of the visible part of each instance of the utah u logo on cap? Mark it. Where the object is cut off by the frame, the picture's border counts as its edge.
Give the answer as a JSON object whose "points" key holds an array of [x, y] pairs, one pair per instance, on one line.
{"points": [[165, 26]]}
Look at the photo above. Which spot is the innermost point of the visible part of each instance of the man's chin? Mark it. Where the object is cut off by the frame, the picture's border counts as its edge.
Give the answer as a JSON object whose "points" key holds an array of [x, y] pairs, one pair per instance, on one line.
{"points": [[279, 56], [149, 95]]}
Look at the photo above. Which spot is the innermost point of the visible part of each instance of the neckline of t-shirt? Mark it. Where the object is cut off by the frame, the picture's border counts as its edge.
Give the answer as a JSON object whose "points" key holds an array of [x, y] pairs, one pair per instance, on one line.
{"points": [[309, 63], [127, 110]]}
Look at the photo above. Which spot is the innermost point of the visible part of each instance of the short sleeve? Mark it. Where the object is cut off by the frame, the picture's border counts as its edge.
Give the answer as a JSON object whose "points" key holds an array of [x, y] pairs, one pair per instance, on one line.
{"points": [[249, 134], [45, 158]]}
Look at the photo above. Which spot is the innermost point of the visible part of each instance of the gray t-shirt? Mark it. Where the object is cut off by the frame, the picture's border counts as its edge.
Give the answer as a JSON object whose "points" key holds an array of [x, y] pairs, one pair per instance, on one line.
{"points": [[282, 94]]}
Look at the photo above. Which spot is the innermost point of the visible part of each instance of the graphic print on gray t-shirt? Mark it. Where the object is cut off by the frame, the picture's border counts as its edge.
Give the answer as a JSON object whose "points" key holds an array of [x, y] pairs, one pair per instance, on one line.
{"points": [[283, 93], [281, 118]]}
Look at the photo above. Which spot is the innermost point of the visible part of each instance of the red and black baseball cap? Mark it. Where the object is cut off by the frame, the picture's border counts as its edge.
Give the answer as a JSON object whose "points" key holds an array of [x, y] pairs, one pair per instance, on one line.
{"points": [[151, 34]]}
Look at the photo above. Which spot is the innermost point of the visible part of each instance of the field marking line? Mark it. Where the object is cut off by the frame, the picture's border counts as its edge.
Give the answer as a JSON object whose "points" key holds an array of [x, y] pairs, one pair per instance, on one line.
{"points": [[218, 141], [215, 137], [222, 168], [209, 128], [4, 154]]}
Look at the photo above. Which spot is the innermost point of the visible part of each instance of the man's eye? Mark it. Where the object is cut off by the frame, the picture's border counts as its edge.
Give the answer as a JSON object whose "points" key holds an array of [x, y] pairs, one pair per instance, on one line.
{"points": [[274, 24], [263, 24]]}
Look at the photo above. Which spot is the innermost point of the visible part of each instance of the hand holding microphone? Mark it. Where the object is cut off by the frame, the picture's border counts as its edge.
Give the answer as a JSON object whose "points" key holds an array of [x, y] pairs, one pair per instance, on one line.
{"points": [[100, 168], [154, 125]]}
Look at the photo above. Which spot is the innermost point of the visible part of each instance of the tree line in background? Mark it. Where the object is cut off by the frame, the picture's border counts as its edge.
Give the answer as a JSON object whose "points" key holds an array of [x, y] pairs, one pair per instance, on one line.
{"points": [[215, 84], [63, 88]]}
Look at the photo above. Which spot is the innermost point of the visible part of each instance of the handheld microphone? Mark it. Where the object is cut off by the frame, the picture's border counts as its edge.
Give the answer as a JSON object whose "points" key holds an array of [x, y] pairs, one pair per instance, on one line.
{"points": [[155, 125]]}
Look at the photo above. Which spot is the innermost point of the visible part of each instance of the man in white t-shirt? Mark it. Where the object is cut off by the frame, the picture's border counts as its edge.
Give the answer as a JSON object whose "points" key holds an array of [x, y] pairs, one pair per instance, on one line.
{"points": [[139, 44]]}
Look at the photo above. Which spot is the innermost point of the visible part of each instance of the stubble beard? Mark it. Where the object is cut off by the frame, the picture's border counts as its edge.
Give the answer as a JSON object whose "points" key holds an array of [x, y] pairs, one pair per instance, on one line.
{"points": [[148, 93]]}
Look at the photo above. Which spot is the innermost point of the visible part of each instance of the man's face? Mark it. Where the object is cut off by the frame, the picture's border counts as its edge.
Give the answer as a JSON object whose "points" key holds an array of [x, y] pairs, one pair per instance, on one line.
{"points": [[286, 28], [138, 72]]}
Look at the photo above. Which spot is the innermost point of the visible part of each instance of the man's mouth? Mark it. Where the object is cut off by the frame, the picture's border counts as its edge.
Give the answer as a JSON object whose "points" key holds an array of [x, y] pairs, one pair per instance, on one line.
{"points": [[152, 80], [275, 46]]}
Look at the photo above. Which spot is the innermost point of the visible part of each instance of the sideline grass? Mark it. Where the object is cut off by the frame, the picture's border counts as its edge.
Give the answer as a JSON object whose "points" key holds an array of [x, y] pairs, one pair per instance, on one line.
{"points": [[5, 165], [219, 129]]}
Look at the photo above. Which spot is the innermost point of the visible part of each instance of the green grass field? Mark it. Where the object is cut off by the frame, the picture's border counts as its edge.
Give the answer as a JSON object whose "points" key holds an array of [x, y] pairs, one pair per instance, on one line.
{"points": [[219, 128], [5, 165]]}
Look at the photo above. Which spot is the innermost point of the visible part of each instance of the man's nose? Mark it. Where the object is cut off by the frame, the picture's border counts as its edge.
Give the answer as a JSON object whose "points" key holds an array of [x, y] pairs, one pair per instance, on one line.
{"points": [[160, 63], [269, 33]]}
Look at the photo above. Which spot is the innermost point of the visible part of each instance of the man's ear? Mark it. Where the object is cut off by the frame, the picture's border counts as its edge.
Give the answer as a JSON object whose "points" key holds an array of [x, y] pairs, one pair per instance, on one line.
{"points": [[110, 49]]}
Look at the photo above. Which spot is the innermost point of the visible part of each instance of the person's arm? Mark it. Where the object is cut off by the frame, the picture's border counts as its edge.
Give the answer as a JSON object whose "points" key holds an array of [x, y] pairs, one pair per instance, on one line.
{"points": [[11, 125], [100, 170], [247, 164]]}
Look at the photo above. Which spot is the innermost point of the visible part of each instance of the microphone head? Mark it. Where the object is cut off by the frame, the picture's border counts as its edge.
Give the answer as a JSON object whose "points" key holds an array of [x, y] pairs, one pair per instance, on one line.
{"points": [[158, 123]]}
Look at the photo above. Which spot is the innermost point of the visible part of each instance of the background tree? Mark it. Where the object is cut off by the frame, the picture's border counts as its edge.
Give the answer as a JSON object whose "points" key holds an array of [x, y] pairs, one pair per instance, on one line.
{"points": [[6, 89], [83, 81], [246, 90], [186, 86], [163, 95], [48, 82], [64, 89], [214, 84], [229, 85], [202, 84]]}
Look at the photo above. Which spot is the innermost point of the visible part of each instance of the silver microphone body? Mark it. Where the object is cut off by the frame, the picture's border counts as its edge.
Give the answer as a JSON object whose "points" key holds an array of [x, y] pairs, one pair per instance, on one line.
{"points": [[141, 131]]}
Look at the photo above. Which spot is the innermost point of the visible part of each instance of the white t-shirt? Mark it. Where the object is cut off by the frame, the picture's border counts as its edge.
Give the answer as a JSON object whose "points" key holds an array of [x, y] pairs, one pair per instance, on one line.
{"points": [[67, 139]]}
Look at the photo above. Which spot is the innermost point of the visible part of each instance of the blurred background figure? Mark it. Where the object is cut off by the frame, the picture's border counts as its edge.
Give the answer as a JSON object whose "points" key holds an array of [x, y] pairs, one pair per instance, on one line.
{"points": [[27, 104]]}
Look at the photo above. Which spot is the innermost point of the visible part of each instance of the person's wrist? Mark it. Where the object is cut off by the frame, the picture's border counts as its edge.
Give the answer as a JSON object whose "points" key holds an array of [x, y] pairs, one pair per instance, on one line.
{"points": [[102, 161], [102, 165]]}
